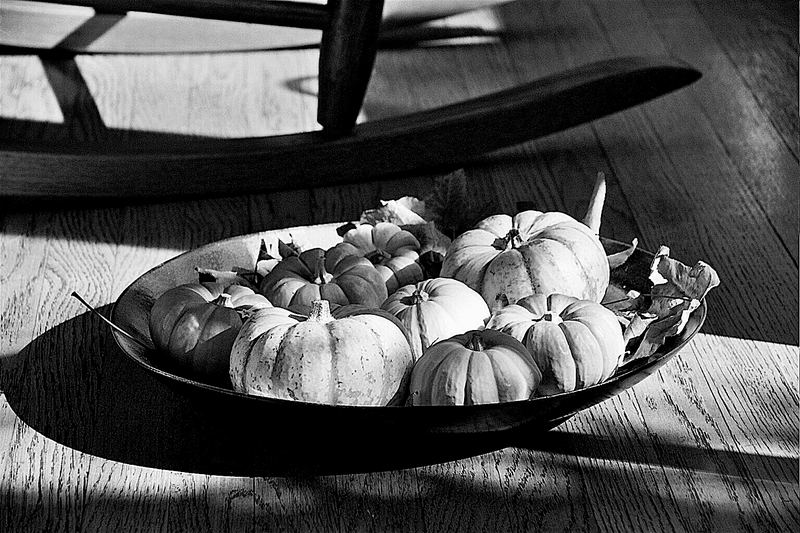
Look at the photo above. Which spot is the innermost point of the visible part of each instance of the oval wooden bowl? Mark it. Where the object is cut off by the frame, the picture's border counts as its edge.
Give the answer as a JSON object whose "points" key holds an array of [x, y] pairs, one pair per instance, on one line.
{"points": [[256, 436]]}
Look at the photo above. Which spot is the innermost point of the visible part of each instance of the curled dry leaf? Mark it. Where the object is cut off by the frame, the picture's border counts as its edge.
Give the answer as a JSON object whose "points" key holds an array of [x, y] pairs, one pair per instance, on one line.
{"points": [[227, 278], [677, 291], [618, 259], [433, 246], [429, 237], [674, 282], [265, 262], [405, 210], [452, 205]]}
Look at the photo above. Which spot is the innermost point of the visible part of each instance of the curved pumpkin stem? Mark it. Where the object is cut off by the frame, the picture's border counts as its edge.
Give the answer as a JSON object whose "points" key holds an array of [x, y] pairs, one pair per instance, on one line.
{"points": [[320, 311], [551, 316], [320, 274], [595, 211], [223, 300], [377, 257], [509, 242], [419, 296], [476, 343]]}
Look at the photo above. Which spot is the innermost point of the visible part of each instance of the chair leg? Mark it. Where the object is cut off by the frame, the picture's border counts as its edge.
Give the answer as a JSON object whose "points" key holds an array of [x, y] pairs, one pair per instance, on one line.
{"points": [[347, 55]]}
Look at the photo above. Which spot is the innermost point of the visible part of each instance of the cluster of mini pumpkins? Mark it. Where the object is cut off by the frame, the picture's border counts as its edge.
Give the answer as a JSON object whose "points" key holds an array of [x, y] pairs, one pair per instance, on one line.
{"points": [[513, 314]]}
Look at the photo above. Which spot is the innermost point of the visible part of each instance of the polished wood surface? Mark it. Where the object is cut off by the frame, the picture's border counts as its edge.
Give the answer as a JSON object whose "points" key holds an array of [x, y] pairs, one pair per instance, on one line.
{"points": [[709, 443]]}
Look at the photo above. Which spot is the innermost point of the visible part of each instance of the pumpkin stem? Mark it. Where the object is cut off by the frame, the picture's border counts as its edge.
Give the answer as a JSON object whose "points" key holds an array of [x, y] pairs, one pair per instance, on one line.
{"points": [[417, 297], [476, 343], [224, 300], [511, 239], [320, 311], [321, 276], [553, 317], [595, 211], [377, 257]]}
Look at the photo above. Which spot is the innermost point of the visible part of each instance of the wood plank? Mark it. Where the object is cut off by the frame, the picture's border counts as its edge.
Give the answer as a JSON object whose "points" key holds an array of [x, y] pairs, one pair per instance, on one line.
{"points": [[757, 150], [225, 96], [759, 38]]}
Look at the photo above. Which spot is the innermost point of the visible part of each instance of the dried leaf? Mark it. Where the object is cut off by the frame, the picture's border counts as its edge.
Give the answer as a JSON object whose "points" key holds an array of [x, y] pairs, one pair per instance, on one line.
{"points": [[674, 283], [405, 210], [618, 259], [265, 266], [433, 247], [242, 277], [342, 230], [659, 329], [288, 249], [636, 327], [263, 253], [677, 291], [429, 237], [452, 207]]}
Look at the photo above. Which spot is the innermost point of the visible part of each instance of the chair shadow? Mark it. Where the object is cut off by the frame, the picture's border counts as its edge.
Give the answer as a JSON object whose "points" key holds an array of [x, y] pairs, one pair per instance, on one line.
{"points": [[460, 503], [670, 455]]}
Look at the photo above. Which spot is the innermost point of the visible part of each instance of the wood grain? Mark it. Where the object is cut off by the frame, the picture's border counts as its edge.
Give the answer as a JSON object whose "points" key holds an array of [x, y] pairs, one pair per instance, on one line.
{"points": [[707, 444]]}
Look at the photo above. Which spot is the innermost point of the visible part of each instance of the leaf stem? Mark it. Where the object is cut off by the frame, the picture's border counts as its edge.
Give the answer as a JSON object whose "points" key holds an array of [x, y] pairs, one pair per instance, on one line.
{"points": [[684, 298], [109, 322]]}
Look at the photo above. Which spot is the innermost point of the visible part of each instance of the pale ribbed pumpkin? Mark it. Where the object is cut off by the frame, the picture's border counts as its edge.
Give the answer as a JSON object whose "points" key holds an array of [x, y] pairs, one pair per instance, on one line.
{"points": [[576, 343], [353, 357], [194, 326], [477, 367], [297, 280], [505, 258], [436, 309], [393, 250]]}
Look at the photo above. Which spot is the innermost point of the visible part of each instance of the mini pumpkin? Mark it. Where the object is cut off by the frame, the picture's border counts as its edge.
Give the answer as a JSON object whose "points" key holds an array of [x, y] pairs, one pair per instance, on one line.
{"points": [[505, 258], [476, 367], [297, 280], [354, 356], [436, 309], [576, 343], [393, 250], [195, 325]]}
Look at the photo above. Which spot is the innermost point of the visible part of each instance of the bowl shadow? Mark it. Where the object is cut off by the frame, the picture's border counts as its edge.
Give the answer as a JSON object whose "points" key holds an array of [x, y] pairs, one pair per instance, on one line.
{"points": [[94, 399]]}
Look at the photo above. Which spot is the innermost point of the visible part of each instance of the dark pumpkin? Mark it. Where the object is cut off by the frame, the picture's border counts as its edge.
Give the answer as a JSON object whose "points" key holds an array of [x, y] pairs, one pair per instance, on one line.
{"points": [[296, 281], [193, 326], [393, 250]]}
